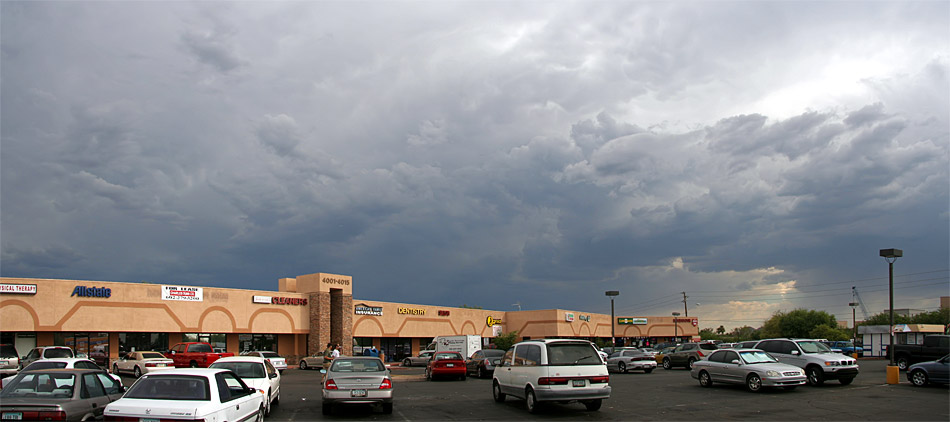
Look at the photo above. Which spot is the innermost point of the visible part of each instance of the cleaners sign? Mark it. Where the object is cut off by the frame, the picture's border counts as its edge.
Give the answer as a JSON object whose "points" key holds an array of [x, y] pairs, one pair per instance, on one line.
{"points": [[187, 294]]}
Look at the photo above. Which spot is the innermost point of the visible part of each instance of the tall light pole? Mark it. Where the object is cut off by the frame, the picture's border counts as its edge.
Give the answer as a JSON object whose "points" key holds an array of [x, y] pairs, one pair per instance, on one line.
{"points": [[675, 327], [613, 332], [891, 255]]}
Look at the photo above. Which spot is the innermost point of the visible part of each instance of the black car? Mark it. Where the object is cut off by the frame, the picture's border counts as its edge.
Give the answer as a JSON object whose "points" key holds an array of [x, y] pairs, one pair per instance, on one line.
{"points": [[935, 372], [483, 362]]}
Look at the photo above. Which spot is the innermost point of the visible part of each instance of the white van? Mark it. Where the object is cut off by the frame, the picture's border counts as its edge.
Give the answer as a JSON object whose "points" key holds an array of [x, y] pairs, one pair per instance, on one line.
{"points": [[539, 371]]}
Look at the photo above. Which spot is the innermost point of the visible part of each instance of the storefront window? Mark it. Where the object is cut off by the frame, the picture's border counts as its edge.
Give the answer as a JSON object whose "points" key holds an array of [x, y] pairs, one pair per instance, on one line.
{"points": [[218, 341], [258, 342], [136, 342], [396, 349], [94, 345], [360, 344]]}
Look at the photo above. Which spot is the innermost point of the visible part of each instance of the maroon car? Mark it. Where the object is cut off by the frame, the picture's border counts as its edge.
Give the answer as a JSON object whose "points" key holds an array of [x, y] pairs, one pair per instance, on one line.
{"points": [[446, 364]]}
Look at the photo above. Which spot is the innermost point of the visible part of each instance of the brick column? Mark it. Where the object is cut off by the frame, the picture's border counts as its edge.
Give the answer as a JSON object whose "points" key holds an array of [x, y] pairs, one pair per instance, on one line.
{"points": [[347, 317], [319, 321], [341, 320]]}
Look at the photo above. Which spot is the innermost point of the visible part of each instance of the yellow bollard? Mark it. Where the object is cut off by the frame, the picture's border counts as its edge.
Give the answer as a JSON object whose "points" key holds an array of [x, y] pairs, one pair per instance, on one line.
{"points": [[893, 374], [854, 355]]}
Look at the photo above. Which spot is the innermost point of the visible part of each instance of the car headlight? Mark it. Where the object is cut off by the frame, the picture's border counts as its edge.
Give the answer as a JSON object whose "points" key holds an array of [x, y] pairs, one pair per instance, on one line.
{"points": [[772, 374]]}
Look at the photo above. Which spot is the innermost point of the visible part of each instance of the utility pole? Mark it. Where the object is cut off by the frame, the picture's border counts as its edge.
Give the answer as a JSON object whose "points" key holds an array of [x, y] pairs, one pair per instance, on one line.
{"points": [[685, 310]]}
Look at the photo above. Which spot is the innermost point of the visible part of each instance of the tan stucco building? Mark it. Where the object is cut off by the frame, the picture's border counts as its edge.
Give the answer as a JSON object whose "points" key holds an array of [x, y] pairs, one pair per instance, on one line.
{"points": [[105, 319]]}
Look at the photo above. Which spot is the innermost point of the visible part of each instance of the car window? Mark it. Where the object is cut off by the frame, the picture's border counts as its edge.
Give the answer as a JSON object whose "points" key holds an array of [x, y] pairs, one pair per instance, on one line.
{"points": [[708, 346], [91, 387], [86, 365], [199, 348], [170, 387], [232, 385], [152, 355], [109, 383], [33, 354], [572, 353], [54, 385], [477, 355], [728, 356], [8, 351], [269, 367], [768, 346], [242, 369], [493, 353], [528, 355], [448, 355], [506, 360], [614, 355], [716, 357], [58, 353], [40, 364]]}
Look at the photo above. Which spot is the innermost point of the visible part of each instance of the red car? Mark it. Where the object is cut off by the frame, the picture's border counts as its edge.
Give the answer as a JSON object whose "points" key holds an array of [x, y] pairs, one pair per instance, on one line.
{"points": [[447, 364]]}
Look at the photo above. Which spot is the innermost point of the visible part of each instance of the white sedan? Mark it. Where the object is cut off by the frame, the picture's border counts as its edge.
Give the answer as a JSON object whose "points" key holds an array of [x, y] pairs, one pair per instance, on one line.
{"points": [[138, 363], [206, 394], [256, 372]]}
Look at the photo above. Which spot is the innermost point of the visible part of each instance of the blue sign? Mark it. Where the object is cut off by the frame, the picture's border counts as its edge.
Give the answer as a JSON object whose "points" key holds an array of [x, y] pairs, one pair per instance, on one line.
{"points": [[84, 291]]}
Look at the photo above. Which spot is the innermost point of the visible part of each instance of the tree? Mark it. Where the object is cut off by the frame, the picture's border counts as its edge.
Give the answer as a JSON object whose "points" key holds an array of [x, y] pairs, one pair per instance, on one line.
{"points": [[504, 341], [796, 323], [830, 333], [708, 334], [721, 330], [470, 306], [884, 318]]}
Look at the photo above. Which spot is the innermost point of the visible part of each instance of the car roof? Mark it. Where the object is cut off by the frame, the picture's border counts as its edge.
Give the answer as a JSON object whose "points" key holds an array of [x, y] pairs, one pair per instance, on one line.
{"points": [[555, 340], [66, 360], [64, 370], [256, 359], [188, 371], [358, 358]]}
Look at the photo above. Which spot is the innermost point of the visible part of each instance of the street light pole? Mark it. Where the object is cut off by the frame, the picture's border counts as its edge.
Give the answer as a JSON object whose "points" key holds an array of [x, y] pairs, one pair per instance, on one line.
{"points": [[891, 255], [613, 322], [675, 327]]}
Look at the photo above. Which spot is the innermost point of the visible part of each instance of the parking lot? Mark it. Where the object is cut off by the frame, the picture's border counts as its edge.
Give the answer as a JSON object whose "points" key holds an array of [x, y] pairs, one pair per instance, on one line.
{"points": [[661, 395]]}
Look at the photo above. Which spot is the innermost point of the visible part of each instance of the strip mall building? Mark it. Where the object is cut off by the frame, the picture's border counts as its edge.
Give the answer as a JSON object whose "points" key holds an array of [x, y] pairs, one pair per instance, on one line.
{"points": [[105, 319]]}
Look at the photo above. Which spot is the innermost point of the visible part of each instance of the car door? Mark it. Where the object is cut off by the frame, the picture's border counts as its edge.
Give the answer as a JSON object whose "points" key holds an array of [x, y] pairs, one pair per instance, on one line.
{"points": [[524, 366], [728, 370], [471, 365], [713, 366], [236, 398], [503, 371], [274, 376], [92, 394]]}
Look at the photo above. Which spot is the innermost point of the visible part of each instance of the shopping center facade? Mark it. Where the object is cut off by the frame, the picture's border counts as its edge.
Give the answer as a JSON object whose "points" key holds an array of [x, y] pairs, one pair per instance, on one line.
{"points": [[105, 319]]}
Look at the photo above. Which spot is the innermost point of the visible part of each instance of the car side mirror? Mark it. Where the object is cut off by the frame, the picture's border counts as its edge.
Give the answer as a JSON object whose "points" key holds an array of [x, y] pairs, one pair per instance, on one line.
{"points": [[323, 371], [795, 352], [736, 361], [272, 375]]}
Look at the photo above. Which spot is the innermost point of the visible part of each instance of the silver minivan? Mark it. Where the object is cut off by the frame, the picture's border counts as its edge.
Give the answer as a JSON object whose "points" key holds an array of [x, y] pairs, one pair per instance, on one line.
{"points": [[549, 370]]}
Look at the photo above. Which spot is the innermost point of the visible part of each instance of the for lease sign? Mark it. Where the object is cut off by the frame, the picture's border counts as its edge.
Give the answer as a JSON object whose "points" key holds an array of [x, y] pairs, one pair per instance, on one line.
{"points": [[187, 294]]}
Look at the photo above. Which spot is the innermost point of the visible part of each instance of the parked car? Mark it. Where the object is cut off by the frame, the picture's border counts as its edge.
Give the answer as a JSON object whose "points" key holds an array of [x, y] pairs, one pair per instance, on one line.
{"points": [[750, 344], [831, 345], [277, 360], [421, 360], [754, 368], [58, 363], [818, 361], [195, 355], [562, 370], [483, 362], [313, 361], [257, 372], [649, 350], [625, 360], [686, 354], [660, 354], [46, 352], [189, 394], [9, 360], [446, 364], [936, 372], [933, 348], [58, 394], [357, 380], [138, 363], [847, 347]]}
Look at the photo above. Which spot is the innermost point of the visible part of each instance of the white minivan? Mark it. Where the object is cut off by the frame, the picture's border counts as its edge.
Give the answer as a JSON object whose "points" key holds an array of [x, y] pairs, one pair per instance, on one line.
{"points": [[548, 370]]}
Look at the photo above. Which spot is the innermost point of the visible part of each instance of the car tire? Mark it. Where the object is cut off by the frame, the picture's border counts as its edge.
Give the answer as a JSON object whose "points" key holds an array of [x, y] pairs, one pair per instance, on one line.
{"points": [[594, 405], [303, 365], [428, 375], [327, 408], [902, 362], [667, 364], [388, 408], [260, 415], [137, 372], [918, 377], [754, 383], [496, 392], [193, 364], [115, 369], [704, 379], [690, 362], [622, 367], [267, 404], [530, 401], [407, 363], [815, 376], [845, 381], [481, 372], [276, 399], [647, 370]]}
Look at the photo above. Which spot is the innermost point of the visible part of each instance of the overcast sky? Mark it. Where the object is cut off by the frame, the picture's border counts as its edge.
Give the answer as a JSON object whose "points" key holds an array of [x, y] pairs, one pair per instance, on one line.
{"points": [[755, 155]]}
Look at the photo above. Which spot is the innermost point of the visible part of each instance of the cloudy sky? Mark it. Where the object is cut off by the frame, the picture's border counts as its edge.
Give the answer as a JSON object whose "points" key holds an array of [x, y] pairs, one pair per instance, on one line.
{"points": [[755, 155]]}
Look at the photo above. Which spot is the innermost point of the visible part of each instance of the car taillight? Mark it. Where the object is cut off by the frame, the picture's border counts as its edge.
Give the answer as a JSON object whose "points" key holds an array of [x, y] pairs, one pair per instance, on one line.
{"points": [[700, 353], [487, 362], [330, 385], [386, 385], [552, 381], [56, 415], [599, 380], [150, 365]]}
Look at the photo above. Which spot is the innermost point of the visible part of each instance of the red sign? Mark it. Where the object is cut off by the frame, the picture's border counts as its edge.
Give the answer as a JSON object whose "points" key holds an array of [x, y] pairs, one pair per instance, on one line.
{"points": [[443, 313], [288, 301]]}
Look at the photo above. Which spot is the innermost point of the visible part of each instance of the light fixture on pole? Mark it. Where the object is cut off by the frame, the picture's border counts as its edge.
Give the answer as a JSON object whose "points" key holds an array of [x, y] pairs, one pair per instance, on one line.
{"points": [[675, 327], [613, 332], [891, 255]]}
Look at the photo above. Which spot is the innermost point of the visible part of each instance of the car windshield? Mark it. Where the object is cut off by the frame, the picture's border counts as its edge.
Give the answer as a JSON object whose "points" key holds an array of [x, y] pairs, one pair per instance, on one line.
{"points": [[7, 351], [813, 347], [42, 364], [242, 369], [845, 344], [58, 353], [152, 355], [756, 356], [270, 355], [169, 387], [572, 353], [40, 385], [357, 365], [448, 355]]}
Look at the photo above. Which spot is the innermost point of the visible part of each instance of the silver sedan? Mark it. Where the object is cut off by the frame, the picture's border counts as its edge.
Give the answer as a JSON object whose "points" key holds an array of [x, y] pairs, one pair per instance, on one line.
{"points": [[627, 359], [421, 360], [357, 380], [752, 367]]}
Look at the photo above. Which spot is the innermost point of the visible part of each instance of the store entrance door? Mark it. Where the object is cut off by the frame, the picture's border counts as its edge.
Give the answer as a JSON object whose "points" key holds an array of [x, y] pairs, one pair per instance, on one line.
{"points": [[396, 349]]}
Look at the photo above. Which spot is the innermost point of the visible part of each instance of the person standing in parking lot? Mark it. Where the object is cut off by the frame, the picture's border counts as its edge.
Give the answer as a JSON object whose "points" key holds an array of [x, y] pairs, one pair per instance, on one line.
{"points": [[328, 356], [336, 351]]}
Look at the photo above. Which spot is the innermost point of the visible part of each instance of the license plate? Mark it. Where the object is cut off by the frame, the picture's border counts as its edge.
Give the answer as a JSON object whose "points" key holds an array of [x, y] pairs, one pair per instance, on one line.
{"points": [[161, 365], [578, 383], [358, 393], [3, 362], [13, 416], [449, 365]]}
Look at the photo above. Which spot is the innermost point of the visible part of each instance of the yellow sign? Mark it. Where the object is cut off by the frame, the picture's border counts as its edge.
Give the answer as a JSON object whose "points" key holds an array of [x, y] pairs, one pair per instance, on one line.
{"points": [[490, 321], [411, 311]]}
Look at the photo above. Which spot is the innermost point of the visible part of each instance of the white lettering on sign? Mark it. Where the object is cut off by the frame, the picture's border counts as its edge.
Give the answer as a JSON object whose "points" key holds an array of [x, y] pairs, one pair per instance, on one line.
{"points": [[340, 281], [187, 294]]}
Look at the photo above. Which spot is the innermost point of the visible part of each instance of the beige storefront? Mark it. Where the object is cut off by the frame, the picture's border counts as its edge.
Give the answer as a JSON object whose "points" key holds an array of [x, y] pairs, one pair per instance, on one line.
{"points": [[105, 319]]}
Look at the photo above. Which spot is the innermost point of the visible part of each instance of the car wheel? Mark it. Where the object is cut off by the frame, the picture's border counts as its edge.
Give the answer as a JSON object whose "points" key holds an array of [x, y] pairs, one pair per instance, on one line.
{"points": [[816, 376], [690, 362], [754, 383], [260, 415], [428, 375], [918, 377], [845, 381], [194, 364], [530, 401], [327, 408], [388, 408], [647, 370], [407, 363], [303, 365], [481, 372], [704, 379], [593, 405], [622, 367], [267, 404], [137, 372], [667, 364], [115, 369], [902, 363], [496, 392], [277, 399]]}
